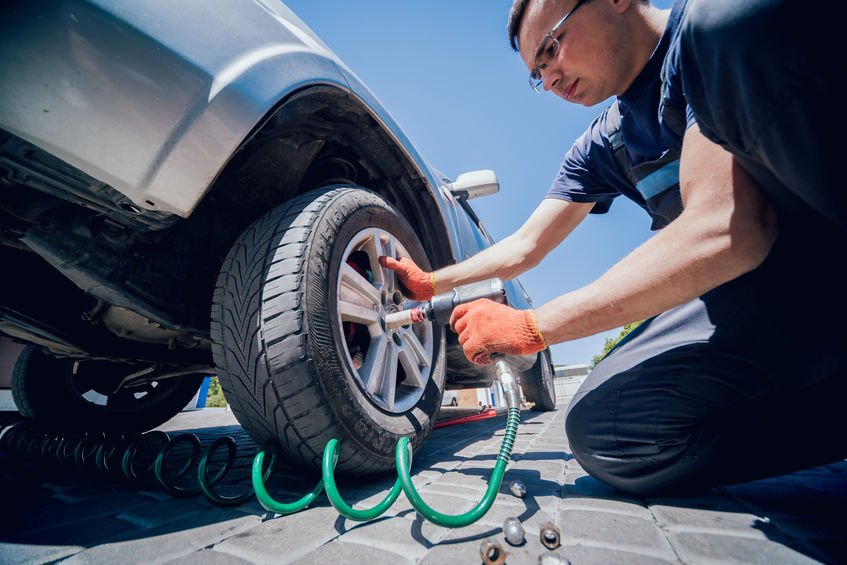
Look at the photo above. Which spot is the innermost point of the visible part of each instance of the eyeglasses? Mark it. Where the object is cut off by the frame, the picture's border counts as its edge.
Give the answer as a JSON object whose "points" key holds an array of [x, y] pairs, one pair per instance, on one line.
{"points": [[547, 50]]}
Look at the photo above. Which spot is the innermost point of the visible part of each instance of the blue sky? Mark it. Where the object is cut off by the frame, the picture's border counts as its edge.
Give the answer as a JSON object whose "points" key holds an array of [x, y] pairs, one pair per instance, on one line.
{"points": [[445, 71]]}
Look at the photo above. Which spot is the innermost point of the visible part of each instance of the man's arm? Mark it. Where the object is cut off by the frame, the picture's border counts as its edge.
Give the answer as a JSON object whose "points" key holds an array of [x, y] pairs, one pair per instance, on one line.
{"points": [[551, 222], [726, 229]]}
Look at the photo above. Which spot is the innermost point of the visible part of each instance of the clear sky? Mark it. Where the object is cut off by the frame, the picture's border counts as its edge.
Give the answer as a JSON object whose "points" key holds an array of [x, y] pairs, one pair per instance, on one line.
{"points": [[445, 71]]}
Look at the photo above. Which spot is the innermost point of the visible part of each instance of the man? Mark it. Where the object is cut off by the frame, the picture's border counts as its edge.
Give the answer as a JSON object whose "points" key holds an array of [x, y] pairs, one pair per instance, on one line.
{"points": [[722, 132]]}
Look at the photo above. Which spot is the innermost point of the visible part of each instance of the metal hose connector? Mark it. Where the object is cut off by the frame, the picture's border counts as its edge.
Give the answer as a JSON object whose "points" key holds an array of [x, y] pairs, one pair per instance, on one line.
{"points": [[403, 456]]}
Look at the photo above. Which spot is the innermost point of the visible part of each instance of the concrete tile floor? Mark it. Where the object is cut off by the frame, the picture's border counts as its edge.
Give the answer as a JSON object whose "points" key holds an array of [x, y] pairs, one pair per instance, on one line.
{"points": [[52, 513]]}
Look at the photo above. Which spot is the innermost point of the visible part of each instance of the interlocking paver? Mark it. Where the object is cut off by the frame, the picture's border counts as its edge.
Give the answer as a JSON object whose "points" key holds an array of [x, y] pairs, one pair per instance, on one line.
{"points": [[717, 549], [208, 557], [343, 552], [283, 539], [613, 531], [168, 542], [53, 514]]}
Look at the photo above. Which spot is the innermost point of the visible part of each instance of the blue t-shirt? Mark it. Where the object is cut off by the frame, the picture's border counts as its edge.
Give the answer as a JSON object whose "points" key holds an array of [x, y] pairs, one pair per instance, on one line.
{"points": [[653, 118]]}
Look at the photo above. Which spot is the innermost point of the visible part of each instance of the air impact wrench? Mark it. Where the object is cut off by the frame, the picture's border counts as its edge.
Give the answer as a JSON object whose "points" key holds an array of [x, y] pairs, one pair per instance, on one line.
{"points": [[440, 307]]}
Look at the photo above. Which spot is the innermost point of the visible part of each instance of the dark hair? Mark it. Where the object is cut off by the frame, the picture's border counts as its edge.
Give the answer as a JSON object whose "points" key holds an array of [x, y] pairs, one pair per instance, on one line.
{"points": [[515, 17]]}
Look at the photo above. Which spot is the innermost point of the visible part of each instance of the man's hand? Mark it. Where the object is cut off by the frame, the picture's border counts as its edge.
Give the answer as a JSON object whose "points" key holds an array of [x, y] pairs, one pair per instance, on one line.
{"points": [[415, 283], [487, 327]]}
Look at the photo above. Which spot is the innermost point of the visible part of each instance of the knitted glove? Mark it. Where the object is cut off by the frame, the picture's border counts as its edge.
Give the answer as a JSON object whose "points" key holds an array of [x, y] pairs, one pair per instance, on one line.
{"points": [[487, 327], [414, 282]]}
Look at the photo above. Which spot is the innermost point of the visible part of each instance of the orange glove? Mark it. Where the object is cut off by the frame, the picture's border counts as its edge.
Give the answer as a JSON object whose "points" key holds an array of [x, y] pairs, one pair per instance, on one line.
{"points": [[487, 327], [415, 283]]}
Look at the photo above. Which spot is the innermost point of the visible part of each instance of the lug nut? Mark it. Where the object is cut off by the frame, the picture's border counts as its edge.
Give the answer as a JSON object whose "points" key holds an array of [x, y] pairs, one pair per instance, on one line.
{"points": [[550, 536], [518, 488], [513, 531], [492, 553]]}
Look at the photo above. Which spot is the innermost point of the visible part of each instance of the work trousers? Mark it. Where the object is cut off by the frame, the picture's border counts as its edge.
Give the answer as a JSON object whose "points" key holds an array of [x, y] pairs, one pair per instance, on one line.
{"points": [[749, 380]]}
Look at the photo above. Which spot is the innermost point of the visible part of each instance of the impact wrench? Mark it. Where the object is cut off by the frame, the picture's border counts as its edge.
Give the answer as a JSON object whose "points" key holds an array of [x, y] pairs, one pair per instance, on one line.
{"points": [[438, 309]]}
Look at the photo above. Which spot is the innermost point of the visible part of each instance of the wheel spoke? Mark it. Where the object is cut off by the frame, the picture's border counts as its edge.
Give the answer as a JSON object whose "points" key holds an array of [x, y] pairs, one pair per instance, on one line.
{"points": [[373, 371], [389, 249], [416, 348], [350, 312], [389, 380], [357, 289], [411, 367]]}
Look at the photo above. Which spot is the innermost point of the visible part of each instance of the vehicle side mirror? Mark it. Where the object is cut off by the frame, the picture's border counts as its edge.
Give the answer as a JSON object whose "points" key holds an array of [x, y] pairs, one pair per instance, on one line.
{"points": [[475, 184]]}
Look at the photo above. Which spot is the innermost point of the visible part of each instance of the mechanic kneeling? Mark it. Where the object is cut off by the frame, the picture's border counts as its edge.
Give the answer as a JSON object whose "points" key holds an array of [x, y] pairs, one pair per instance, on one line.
{"points": [[722, 131]]}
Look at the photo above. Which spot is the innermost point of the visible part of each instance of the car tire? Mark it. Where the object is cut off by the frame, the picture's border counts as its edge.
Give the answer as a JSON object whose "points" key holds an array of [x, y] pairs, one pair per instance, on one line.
{"points": [[64, 393], [537, 383], [298, 332]]}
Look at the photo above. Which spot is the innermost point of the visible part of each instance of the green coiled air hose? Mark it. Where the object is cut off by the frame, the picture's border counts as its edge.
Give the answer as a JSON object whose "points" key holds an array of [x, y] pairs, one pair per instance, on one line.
{"points": [[403, 459]]}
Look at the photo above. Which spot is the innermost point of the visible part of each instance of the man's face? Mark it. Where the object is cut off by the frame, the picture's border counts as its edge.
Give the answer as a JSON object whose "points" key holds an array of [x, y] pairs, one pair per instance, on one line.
{"points": [[590, 62]]}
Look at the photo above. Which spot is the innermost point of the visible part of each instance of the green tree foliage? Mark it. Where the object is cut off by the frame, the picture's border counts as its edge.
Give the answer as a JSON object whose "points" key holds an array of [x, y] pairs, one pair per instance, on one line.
{"points": [[215, 398], [611, 342]]}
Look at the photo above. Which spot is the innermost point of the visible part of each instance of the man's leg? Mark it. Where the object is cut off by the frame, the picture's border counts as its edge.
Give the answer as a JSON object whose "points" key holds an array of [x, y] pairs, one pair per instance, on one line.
{"points": [[744, 383]]}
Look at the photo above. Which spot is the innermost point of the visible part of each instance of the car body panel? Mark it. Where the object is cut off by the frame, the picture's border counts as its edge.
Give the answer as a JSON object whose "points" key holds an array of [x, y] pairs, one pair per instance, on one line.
{"points": [[155, 104]]}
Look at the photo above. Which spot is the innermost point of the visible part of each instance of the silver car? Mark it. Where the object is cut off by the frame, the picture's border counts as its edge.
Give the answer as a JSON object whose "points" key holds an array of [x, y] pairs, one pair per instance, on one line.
{"points": [[193, 188]]}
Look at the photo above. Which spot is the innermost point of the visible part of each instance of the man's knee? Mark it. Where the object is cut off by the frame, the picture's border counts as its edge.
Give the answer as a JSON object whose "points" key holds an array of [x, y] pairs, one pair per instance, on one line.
{"points": [[616, 433]]}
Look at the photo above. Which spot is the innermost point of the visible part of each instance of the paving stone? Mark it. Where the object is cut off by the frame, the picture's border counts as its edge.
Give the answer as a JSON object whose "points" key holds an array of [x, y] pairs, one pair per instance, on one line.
{"points": [[86, 492], [459, 546], [546, 470], [683, 518], [83, 533], [524, 510], [41, 518], [285, 538], [626, 507], [395, 535], [588, 555], [453, 490], [170, 541], [344, 552], [208, 557], [24, 553], [165, 512], [709, 548], [613, 531]]}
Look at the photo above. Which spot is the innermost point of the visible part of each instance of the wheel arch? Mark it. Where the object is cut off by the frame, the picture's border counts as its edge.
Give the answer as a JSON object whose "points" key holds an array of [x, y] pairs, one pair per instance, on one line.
{"points": [[323, 135]]}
